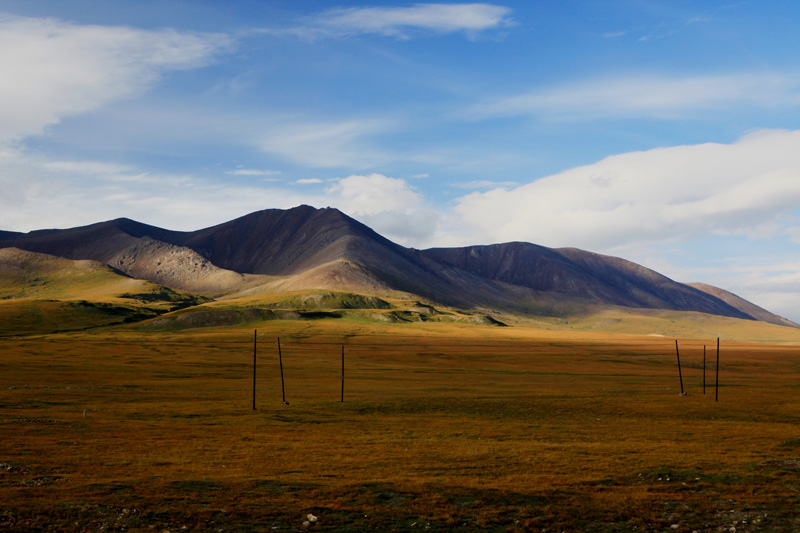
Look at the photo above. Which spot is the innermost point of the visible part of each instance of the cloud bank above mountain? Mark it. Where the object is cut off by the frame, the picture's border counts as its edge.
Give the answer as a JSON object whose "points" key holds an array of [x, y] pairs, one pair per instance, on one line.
{"points": [[749, 187]]}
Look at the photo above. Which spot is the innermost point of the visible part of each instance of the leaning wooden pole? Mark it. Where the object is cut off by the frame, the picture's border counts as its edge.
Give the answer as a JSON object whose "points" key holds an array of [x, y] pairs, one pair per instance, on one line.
{"points": [[342, 373], [255, 340], [280, 362], [716, 384], [680, 375]]}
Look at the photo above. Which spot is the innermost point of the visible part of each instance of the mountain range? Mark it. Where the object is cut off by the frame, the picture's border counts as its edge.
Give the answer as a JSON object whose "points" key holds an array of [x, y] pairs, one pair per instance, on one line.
{"points": [[306, 248]]}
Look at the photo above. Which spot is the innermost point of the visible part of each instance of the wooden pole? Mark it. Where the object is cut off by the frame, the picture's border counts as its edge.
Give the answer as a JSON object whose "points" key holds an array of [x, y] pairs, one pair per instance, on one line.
{"points": [[342, 373], [716, 384], [704, 369], [680, 375], [255, 337], [280, 361]]}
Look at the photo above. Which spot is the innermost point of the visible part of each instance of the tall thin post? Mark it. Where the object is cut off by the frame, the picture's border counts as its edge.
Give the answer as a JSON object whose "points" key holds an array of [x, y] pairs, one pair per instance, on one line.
{"points": [[255, 340], [280, 361], [680, 375], [342, 373], [704, 369], [716, 385]]}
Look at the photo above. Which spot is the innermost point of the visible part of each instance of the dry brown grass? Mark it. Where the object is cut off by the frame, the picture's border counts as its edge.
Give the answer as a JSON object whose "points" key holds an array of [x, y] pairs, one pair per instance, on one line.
{"points": [[443, 427]]}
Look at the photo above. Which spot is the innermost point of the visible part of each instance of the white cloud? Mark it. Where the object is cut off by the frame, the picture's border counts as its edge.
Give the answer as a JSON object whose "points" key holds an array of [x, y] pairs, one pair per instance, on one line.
{"points": [[85, 167], [53, 69], [747, 188], [309, 181], [39, 193], [793, 232], [327, 144], [372, 194], [409, 228], [388, 205], [403, 22], [654, 96], [253, 172]]}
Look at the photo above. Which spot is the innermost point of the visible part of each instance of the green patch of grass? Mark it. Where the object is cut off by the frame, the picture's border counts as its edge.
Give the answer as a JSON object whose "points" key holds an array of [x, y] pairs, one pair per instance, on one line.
{"points": [[331, 300]]}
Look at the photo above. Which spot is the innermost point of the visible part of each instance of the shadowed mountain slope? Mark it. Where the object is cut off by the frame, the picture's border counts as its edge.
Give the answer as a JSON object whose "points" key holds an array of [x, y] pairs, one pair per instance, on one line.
{"points": [[583, 275], [270, 242], [278, 242], [743, 305], [139, 250], [99, 242], [306, 247], [299, 241]]}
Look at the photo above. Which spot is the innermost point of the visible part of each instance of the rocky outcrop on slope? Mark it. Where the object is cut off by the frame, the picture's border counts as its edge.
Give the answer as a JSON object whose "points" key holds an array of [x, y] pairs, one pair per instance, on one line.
{"points": [[173, 266]]}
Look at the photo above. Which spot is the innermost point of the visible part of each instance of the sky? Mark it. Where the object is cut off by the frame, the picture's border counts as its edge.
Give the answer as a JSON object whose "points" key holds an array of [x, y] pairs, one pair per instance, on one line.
{"points": [[663, 132]]}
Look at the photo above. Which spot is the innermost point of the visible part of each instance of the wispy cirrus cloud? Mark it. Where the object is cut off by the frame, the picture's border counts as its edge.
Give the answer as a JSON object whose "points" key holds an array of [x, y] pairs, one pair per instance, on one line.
{"points": [[403, 22], [252, 172], [53, 69], [327, 144], [43, 193], [649, 96]]}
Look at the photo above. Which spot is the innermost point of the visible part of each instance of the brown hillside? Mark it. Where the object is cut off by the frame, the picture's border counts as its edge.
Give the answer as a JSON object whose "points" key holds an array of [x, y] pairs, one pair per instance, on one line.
{"points": [[306, 248], [587, 276]]}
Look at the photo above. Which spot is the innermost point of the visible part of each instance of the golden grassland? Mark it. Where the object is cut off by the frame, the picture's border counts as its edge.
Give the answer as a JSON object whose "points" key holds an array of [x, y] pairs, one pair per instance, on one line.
{"points": [[443, 427]]}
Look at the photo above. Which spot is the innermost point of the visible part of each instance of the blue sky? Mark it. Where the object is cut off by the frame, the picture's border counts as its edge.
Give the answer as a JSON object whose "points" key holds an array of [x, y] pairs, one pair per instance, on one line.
{"points": [[664, 132]]}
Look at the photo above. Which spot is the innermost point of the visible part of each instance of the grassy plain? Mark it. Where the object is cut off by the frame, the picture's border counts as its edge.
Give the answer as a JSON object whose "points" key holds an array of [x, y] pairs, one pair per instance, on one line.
{"points": [[443, 427]]}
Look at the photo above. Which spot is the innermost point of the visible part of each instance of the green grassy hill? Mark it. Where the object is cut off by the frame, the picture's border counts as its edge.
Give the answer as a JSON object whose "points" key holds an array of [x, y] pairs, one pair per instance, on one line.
{"points": [[41, 293]]}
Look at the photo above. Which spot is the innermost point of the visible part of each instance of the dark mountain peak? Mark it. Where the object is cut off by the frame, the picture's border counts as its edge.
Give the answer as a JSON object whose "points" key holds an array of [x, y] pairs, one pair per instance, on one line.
{"points": [[280, 242], [96, 241], [139, 229], [95, 230], [274, 219]]}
